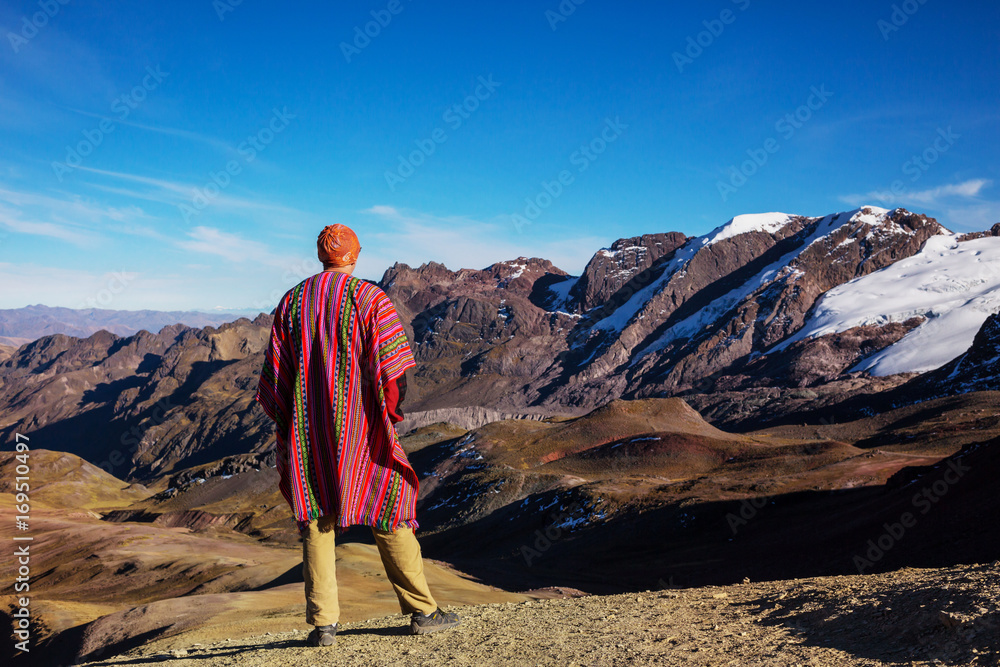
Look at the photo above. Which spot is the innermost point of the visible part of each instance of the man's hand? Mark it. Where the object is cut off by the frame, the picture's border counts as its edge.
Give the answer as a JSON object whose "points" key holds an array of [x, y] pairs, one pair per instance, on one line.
{"points": [[395, 392]]}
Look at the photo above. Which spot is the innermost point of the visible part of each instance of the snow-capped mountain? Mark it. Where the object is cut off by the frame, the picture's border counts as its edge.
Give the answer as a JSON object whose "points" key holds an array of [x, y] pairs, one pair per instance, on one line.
{"points": [[768, 299], [701, 313], [954, 285]]}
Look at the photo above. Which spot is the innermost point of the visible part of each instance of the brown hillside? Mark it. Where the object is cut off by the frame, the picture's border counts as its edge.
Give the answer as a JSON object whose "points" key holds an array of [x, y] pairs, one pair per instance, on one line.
{"points": [[61, 480]]}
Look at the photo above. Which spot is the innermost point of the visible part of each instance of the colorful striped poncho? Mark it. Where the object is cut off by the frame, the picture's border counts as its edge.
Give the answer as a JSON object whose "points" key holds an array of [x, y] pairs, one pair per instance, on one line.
{"points": [[336, 342]]}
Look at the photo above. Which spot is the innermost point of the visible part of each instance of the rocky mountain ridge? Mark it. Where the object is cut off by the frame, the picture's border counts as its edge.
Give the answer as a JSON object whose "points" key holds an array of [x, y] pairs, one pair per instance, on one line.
{"points": [[659, 315], [136, 405]]}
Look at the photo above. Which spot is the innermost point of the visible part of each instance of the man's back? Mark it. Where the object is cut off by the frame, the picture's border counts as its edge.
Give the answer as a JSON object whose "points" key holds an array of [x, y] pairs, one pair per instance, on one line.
{"points": [[336, 344]]}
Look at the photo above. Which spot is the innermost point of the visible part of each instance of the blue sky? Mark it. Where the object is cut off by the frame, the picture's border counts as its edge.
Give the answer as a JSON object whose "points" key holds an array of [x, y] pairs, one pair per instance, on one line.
{"points": [[187, 158]]}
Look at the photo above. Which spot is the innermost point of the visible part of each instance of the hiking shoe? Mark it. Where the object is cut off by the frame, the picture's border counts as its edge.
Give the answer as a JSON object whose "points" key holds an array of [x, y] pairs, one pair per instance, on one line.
{"points": [[421, 624], [323, 635]]}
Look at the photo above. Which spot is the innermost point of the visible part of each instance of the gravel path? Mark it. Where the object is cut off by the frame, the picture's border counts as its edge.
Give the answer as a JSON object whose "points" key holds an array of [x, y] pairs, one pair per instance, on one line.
{"points": [[910, 617]]}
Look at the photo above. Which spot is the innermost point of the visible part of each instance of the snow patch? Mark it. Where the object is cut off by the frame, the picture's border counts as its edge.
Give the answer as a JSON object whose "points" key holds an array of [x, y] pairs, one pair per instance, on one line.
{"points": [[743, 224], [560, 292], [607, 252]]}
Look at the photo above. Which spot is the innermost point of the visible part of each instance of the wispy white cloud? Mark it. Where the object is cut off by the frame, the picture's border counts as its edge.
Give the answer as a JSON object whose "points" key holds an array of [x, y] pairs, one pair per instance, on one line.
{"points": [[231, 247], [173, 187], [175, 193], [213, 142], [932, 197], [134, 194], [385, 212], [67, 217], [71, 207], [11, 221]]}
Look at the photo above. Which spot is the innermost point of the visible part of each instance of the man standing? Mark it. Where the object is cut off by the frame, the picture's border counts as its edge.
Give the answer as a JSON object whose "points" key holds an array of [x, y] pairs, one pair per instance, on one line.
{"points": [[332, 382]]}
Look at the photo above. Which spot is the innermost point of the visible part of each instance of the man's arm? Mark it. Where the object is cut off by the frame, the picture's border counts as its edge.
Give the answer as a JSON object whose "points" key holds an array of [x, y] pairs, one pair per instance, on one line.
{"points": [[390, 354], [395, 392]]}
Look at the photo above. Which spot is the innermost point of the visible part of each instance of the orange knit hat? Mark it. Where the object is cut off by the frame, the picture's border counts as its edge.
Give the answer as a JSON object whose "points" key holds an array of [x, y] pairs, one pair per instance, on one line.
{"points": [[338, 245]]}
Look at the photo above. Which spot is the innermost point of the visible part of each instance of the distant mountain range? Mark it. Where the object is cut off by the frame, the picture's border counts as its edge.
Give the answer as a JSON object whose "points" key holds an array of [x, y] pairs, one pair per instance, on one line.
{"points": [[763, 320], [22, 325]]}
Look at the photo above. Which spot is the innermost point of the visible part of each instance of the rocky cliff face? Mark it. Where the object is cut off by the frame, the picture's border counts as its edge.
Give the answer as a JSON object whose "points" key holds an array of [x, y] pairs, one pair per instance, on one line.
{"points": [[478, 335], [467, 418], [612, 268]]}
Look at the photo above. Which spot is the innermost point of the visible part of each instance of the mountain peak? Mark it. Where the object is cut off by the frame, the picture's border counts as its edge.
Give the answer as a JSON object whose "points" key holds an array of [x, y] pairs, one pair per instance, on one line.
{"points": [[750, 222], [770, 223], [522, 264]]}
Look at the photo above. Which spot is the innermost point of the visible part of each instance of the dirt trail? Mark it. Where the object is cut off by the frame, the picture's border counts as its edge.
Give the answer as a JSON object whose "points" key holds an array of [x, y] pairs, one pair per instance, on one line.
{"points": [[910, 617]]}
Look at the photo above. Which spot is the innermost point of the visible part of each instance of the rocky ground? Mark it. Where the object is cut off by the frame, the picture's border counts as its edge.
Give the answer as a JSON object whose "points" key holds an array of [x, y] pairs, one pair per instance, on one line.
{"points": [[945, 616]]}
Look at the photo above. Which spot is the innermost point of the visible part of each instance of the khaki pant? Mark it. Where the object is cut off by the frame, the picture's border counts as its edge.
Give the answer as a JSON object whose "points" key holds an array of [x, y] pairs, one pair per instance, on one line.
{"points": [[401, 558]]}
